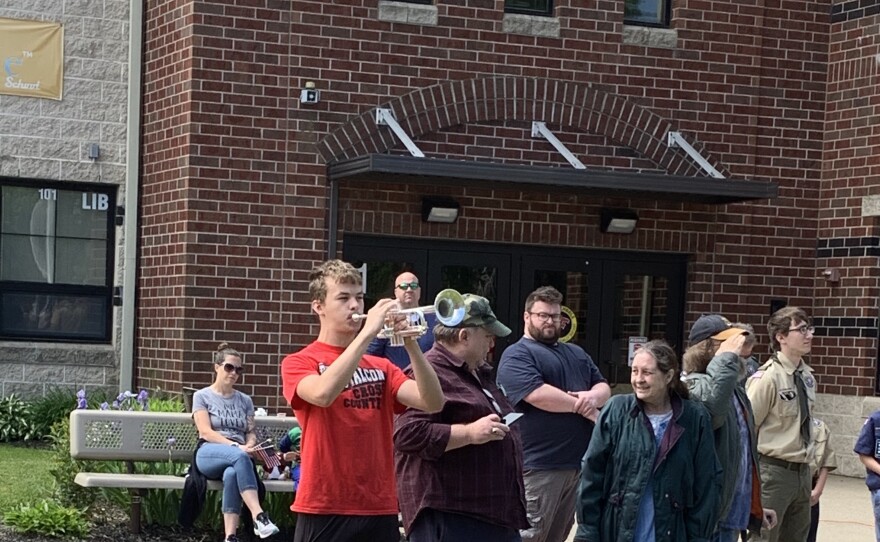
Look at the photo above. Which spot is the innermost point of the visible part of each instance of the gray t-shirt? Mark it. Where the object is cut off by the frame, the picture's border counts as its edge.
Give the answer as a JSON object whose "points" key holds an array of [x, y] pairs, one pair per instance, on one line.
{"points": [[230, 416]]}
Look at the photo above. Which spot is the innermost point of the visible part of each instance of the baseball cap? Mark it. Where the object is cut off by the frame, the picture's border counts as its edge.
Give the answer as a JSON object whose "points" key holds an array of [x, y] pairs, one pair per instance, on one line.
{"points": [[713, 326], [477, 313]]}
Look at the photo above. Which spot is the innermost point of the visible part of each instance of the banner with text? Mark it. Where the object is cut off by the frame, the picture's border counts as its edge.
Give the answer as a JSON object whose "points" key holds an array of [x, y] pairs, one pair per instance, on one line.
{"points": [[32, 53]]}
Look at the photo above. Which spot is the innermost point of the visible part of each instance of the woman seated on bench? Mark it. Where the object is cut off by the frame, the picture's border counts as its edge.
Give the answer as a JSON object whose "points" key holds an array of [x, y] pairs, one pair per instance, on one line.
{"points": [[224, 417]]}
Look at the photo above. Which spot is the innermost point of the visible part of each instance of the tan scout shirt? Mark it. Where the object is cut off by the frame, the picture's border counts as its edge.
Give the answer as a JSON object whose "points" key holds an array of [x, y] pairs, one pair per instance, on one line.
{"points": [[820, 452], [773, 393]]}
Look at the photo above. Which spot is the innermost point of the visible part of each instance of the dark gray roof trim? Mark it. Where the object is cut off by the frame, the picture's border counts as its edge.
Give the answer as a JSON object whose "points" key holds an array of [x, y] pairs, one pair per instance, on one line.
{"points": [[434, 171]]}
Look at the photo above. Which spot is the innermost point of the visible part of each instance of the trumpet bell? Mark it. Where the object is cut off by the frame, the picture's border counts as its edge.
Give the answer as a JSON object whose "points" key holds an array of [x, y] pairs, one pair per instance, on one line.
{"points": [[449, 307]]}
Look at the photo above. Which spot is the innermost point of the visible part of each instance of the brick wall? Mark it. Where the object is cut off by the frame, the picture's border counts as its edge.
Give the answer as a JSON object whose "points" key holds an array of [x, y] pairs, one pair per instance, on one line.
{"points": [[48, 139], [214, 203], [848, 240], [240, 198]]}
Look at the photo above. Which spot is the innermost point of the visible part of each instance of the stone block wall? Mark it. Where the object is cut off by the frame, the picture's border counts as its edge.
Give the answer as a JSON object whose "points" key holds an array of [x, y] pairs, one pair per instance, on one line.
{"points": [[48, 139], [845, 416]]}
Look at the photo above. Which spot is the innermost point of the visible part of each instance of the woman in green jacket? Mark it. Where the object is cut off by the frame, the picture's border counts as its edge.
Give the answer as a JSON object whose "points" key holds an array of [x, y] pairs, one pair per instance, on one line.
{"points": [[650, 473]]}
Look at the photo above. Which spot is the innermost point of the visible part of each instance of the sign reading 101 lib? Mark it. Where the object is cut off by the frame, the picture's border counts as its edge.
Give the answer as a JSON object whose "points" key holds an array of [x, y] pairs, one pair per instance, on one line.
{"points": [[90, 200]]}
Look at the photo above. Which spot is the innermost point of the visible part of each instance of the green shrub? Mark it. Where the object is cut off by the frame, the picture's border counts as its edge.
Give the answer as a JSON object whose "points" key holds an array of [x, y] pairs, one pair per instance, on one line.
{"points": [[48, 518], [50, 409], [64, 469], [16, 420]]}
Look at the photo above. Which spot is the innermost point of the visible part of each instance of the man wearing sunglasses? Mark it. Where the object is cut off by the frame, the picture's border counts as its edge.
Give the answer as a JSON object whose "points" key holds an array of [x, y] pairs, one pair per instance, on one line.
{"points": [[559, 390], [782, 392], [407, 292]]}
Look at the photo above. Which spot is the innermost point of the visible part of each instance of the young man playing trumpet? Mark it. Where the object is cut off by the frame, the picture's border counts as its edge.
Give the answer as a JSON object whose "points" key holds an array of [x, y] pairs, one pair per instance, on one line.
{"points": [[345, 401]]}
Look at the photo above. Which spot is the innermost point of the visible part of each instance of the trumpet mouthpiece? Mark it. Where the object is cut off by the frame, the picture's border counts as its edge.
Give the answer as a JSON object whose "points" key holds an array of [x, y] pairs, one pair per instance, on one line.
{"points": [[358, 317]]}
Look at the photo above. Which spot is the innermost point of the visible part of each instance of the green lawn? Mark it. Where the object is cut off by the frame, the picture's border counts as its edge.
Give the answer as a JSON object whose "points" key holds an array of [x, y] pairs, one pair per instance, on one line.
{"points": [[25, 475]]}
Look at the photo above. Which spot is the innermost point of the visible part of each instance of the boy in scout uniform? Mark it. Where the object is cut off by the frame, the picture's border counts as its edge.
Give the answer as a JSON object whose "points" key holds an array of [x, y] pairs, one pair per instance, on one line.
{"points": [[782, 392]]}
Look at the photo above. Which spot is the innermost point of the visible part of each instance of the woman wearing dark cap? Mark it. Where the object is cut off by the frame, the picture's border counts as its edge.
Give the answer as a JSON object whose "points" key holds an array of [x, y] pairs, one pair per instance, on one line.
{"points": [[650, 473], [224, 418]]}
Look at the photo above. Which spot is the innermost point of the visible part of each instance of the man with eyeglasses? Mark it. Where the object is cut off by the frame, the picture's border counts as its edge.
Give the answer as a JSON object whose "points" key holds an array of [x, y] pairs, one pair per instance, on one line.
{"points": [[459, 471], [407, 291], [559, 390], [782, 392]]}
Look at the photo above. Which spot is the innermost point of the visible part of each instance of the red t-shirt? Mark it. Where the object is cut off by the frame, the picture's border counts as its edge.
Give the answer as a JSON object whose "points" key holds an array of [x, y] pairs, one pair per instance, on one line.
{"points": [[347, 457]]}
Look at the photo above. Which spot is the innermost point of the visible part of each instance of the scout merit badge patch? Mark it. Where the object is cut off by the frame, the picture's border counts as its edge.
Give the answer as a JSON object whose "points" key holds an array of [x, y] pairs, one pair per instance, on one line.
{"points": [[787, 394]]}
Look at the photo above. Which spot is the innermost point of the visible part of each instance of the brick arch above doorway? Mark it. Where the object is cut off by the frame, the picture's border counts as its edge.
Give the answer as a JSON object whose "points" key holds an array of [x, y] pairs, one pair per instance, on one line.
{"points": [[561, 103]]}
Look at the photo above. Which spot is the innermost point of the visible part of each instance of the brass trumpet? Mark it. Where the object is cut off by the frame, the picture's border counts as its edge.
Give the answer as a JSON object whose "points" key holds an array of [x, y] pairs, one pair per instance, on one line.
{"points": [[448, 306]]}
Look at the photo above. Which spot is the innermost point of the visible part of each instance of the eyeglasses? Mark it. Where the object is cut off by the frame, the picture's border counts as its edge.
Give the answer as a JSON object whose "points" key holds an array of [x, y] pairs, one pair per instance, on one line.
{"points": [[544, 316], [408, 285], [228, 367], [804, 329]]}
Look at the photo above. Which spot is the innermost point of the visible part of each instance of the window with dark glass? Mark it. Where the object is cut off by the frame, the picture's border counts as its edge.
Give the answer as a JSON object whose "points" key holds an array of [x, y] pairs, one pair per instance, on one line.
{"points": [[529, 7], [417, 1], [56, 261], [647, 12]]}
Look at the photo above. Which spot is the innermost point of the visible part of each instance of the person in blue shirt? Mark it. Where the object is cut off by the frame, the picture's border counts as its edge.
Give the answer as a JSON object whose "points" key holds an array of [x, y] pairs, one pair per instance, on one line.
{"points": [[868, 448], [407, 291], [559, 390]]}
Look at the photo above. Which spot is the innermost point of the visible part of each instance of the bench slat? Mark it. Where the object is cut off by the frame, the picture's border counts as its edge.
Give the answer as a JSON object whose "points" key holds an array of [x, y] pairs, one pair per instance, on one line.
{"points": [[161, 481]]}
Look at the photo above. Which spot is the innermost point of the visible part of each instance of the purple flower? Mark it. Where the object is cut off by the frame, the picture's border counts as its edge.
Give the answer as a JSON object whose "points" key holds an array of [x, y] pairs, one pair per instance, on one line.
{"points": [[120, 398], [116, 404], [142, 396], [128, 394], [81, 399], [104, 406]]}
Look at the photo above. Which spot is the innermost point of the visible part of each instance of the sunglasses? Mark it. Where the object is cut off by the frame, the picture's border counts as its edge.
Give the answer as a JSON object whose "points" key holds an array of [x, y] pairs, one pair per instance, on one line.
{"points": [[408, 285], [228, 367]]}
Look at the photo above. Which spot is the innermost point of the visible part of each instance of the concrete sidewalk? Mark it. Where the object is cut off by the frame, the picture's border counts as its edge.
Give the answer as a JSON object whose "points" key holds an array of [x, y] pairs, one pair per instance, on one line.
{"points": [[846, 514]]}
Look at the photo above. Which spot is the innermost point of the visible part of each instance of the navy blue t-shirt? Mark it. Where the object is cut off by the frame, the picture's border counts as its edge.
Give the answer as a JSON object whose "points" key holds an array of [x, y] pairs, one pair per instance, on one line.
{"points": [[551, 440], [397, 354], [868, 444]]}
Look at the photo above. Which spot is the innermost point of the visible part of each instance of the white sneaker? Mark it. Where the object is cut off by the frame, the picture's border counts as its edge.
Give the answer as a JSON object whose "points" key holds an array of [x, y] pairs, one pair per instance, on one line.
{"points": [[263, 526]]}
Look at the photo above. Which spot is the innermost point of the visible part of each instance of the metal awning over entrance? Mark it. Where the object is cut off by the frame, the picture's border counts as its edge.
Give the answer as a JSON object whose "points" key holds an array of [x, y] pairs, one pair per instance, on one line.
{"points": [[434, 171]]}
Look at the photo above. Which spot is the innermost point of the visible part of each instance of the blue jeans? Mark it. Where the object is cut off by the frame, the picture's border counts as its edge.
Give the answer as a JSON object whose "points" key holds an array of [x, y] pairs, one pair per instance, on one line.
{"points": [[233, 466], [875, 498]]}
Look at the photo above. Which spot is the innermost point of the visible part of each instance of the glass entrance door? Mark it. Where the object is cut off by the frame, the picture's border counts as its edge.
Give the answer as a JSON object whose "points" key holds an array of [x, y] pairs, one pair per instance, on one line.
{"points": [[641, 301], [485, 273], [613, 299], [580, 284]]}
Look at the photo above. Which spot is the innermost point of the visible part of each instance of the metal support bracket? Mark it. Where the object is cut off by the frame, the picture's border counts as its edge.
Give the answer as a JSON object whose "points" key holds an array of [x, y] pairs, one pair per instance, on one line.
{"points": [[539, 129], [385, 117], [676, 140]]}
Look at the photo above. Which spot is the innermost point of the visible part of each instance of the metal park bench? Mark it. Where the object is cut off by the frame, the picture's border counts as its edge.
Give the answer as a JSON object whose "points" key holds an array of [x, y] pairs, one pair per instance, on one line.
{"points": [[129, 436]]}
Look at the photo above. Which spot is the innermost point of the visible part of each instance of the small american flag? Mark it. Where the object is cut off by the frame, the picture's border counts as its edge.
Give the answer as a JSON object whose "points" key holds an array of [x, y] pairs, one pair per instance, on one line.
{"points": [[268, 457]]}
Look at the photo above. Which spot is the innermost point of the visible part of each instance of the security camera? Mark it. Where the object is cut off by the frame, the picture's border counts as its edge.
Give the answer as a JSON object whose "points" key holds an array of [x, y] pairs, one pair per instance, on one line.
{"points": [[310, 95]]}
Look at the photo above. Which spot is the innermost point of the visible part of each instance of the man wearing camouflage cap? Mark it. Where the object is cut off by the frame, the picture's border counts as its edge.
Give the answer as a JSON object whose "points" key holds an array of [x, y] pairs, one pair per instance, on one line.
{"points": [[459, 471]]}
